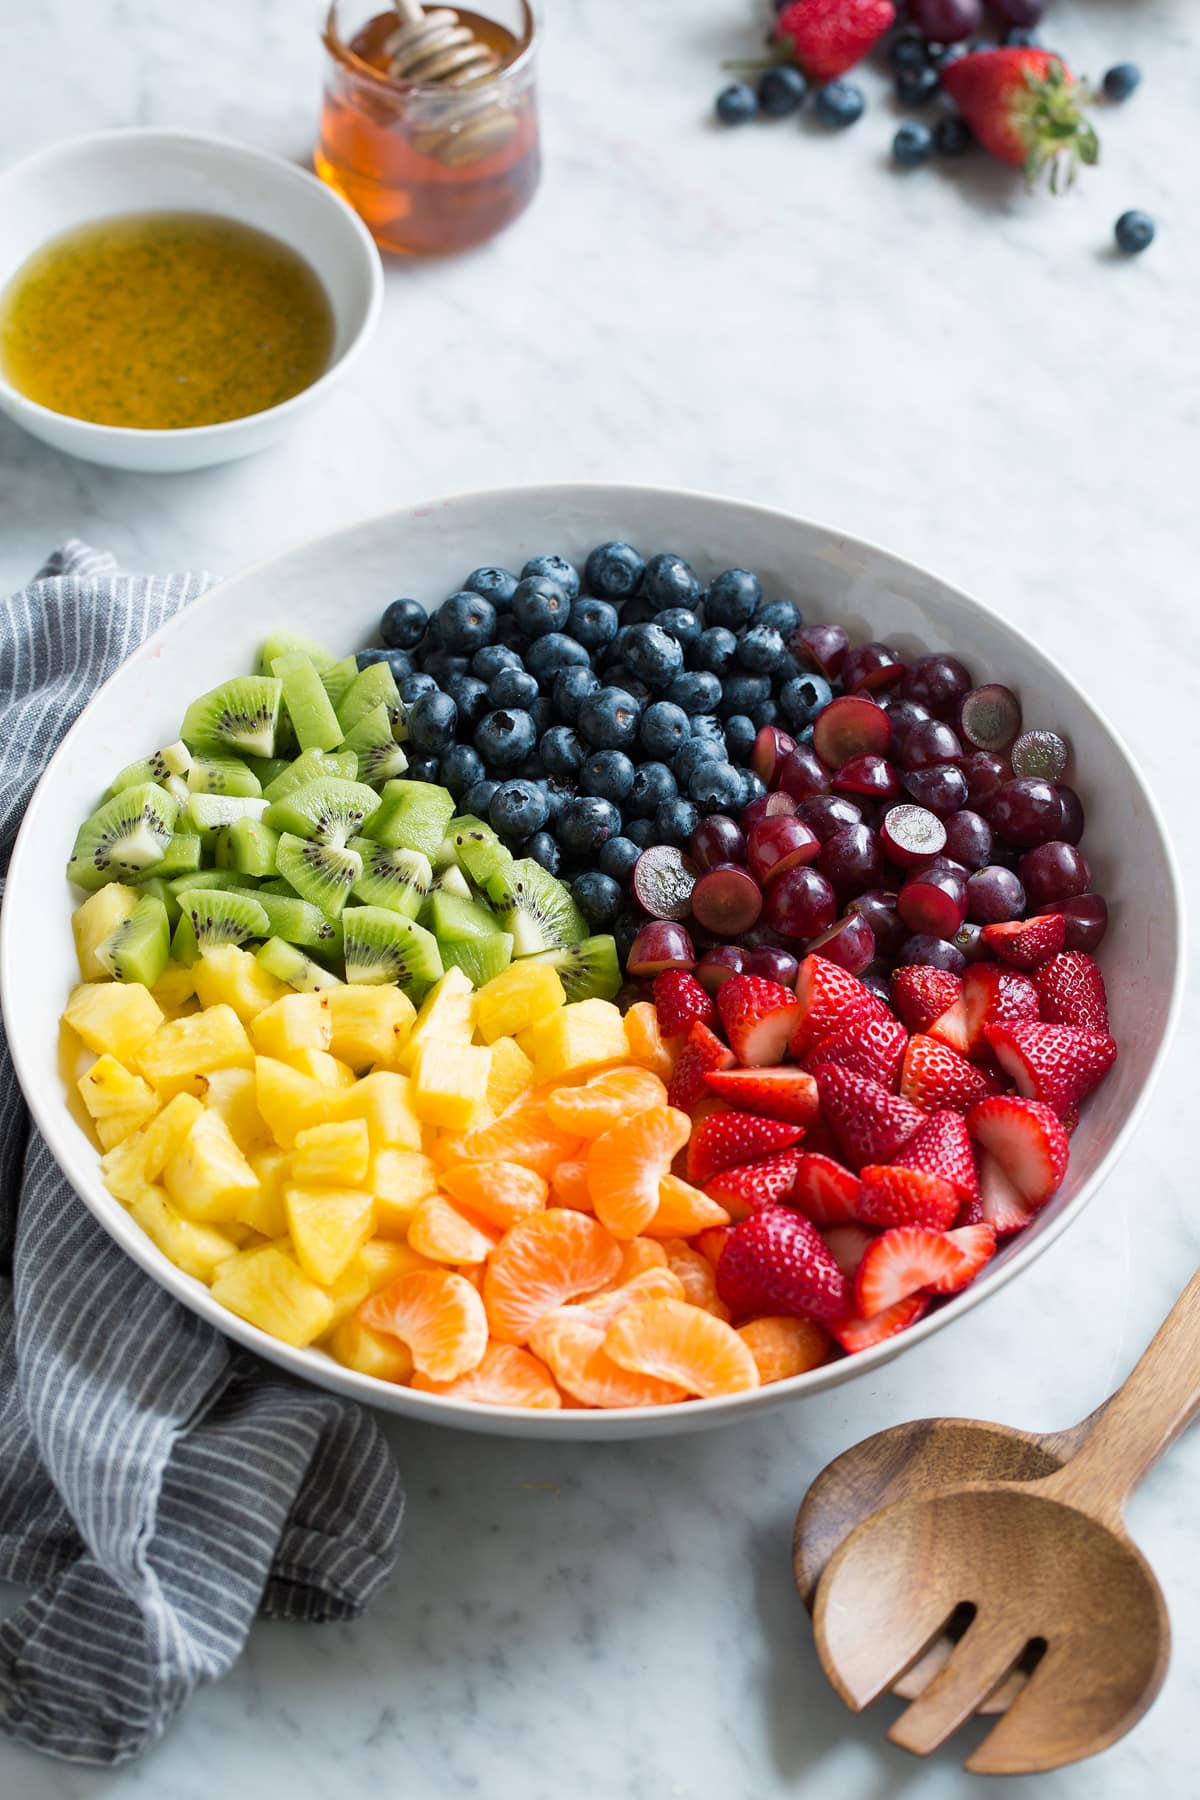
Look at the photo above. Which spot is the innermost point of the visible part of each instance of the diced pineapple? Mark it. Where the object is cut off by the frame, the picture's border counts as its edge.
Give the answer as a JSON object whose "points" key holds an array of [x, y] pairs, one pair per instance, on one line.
{"points": [[384, 1260], [289, 1101], [174, 987], [369, 1023], [510, 1075], [227, 975], [117, 1128], [92, 922], [328, 1226], [376, 1353], [118, 1016], [109, 1090], [183, 1049], [383, 1100], [209, 1178], [447, 1014], [349, 1290], [449, 1082], [521, 997], [585, 1035], [333, 1155], [297, 1022], [323, 1068], [267, 1287], [399, 1180], [123, 1168], [233, 1094], [265, 1211], [198, 1250], [165, 1135]]}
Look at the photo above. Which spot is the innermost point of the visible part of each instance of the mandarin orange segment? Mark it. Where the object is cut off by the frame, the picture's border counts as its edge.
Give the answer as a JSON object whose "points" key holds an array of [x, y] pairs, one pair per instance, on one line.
{"points": [[572, 1344], [646, 1043], [683, 1210], [507, 1376], [441, 1232], [647, 1284], [538, 1264], [626, 1164], [670, 1340], [499, 1193], [604, 1101], [568, 1186], [697, 1275], [525, 1134], [711, 1243], [438, 1315], [783, 1347], [638, 1254]]}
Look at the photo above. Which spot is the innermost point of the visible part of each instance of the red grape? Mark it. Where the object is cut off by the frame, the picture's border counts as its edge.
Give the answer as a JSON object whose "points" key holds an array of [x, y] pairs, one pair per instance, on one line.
{"points": [[852, 860], [780, 843], [879, 909], [767, 806], [911, 834], [852, 725], [717, 839], [663, 882], [871, 776], [1071, 829], [823, 645], [770, 747], [727, 900], [1086, 918], [990, 717], [904, 714], [969, 839], [946, 21], [662, 944], [938, 682], [716, 966], [803, 773], [1039, 753], [994, 896], [869, 666], [984, 772], [1025, 811], [933, 902], [970, 940], [801, 904], [942, 788], [1019, 12], [771, 964], [849, 942], [827, 813], [1054, 871], [933, 953], [929, 742]]}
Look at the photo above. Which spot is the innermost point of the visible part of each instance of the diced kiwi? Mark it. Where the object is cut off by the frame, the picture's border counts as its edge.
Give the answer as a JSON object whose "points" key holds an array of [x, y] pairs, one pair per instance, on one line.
{"points": [[328, 810], [289, 643], [414, 814], [211, 878], [288, 964], [173, 759], [139, 947], [311, 765], [222, 916], [380, 757], [180, 857], [129, 832], [296, 921], [371, 686], [338, 679], [161, 890], [537, 909], [451, 918], [382, 946], [308, 705], [320, 873], [240, 715], [223, 775], [451, 880], [248, 845], [588, 971], [267, 769], [477, 848], [397, 879], [479, 958], [207, 811]]}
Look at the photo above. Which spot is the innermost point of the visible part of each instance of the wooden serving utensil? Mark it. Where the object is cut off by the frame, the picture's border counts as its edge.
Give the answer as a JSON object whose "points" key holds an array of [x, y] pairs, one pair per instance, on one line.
{"points": [[1046, 1567]]}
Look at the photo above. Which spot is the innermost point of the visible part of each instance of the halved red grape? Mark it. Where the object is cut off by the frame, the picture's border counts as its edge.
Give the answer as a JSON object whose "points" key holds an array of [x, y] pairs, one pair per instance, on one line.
{"points": [[933, 902], [780, 843], [849, 942], [662, 944], [716, 966], [1025, 811], [663, 882], [769, 749], [869, 666], [767, 806], [1071, 829], [851, 725], [1086, 917], [823, 645], [872, 776], [727, 900], [771, 964], [942, 788], [990, 717], [968, 838], [1040, 753], [930, 741], [802, 773], [852, 860], [717, 839], [912, 834], [878, 907], [995, 896], [1054, 871], [827, 813], [984, 771], [933, 953], [800, 904], [938, 682]]}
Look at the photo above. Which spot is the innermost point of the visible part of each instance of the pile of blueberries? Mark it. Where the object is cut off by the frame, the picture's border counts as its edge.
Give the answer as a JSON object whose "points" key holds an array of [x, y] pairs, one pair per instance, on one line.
{"points": [[587, 717]]}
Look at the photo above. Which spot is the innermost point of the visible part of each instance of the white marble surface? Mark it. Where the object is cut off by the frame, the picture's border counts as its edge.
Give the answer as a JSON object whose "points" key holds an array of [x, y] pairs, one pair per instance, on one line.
{"points": [[933, 361]]}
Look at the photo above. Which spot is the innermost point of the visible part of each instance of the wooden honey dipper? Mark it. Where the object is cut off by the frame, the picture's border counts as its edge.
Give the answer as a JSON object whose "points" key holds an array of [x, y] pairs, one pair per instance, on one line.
{"points": [[435, 46]]}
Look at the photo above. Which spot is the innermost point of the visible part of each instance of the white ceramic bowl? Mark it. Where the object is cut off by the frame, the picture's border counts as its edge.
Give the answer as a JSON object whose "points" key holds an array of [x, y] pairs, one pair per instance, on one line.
{"points": [[143, 170], [335, 589]]}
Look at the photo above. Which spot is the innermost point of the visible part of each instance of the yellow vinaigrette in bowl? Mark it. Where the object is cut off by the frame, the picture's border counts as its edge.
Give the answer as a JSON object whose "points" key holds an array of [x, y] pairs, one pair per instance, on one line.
{"points": [[164, 320]]}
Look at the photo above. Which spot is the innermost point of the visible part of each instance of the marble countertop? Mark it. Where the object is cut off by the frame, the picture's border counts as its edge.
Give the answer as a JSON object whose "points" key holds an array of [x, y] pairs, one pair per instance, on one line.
{"points": [[933, 361]]}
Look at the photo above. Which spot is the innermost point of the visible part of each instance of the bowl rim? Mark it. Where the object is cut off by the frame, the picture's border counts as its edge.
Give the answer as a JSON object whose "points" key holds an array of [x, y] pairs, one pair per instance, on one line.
{"points": [[67, 150], [596, 1425]]}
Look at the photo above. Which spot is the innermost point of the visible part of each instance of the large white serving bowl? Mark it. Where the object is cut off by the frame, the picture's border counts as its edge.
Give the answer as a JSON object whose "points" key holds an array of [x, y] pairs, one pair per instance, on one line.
{"points": [[335, 589], [140, 170]]}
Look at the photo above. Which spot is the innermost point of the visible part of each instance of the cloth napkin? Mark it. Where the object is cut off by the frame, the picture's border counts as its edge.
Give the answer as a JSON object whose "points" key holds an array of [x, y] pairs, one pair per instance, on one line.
{"points": [[157, 1485]]}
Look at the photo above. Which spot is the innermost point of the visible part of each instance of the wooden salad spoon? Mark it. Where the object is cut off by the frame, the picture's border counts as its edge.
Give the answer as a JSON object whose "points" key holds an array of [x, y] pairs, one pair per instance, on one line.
{"points": [[1046, 1567]]}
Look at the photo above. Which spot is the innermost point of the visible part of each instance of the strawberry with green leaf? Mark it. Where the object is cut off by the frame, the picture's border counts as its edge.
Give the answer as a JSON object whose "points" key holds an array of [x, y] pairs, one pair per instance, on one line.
{"points": [[1026, 107]]}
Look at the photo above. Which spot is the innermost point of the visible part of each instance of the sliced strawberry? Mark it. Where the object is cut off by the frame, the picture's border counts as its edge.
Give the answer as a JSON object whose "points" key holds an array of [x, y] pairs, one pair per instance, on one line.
{"points": [[1070, 988], [747, 1186], [702, 1052], [846, 1243], [942, 1147], [1027, 1140], [829, 998], [1059, 1064], [901, 1262], [824, 1191], [921, 994], [678, 999], [776, 1262], [873, 1047], [893, 1195], [728, 1138], [1001, 1202], [788, 1094], [1027, 942], [937, 1079], [992, 995], [759, 1017], [869, 1123], [854, 1333], [976, 1245]]}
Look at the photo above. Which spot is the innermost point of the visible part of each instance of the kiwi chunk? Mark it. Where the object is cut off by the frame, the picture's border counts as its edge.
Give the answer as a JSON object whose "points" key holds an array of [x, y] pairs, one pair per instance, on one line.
{"points": [[451, 880], [413, 815], [477, 848], [208, 811], [267, 769], [129, 832], [338, 679], [296, 921], [290, 643], [288, 964], [160, 765], [139, 947], [222, 916], [479, 958], [322, 874], [240, 715], [159, 889], [588, 971], [311, 765], [380, 757], [382, 946], [537, 909], [308, 705], [371, 687], [397, 879], [328, 810], [210, 878], [180, 857], [223, 775], [451, 918], [248, 845]]}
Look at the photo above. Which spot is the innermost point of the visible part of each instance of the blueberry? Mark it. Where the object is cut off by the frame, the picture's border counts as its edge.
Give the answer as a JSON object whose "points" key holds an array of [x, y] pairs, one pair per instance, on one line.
{"points": [[466, 622], [614, 650], [598, 898], [781, 91], [620, 675], [469, 694], [663, 728], [613, 570], [556, 569], [556, 799], [608, 719], [403, 624], [653, 654], [641, 832], [432, 722], [585, 822], [539, 605], [753, 786], [562, 751], [518, 808], [694, 752], [1119, 82], [439, 663], [543, 849], [783, 615], [541, 711], [398, 661], [459, 769], [652, 784], [914, 87], [625, 928], [840, 103], [548, 655], [669, 581], [682, 623], [952, 136], [496, 585], [478, 798], [912, 145], [505, 737], [1134, 232], [908, 51], [512, 687], [742, 693], [696, 691], [736, 104], [413, 686], [765, 713], [716, 787], [571, 688], [491, 659], [593, 622], [508, 632], [740, 733], [608, 773], [707, 725], [422, 768], [759, 649], [675, 821], [802, 698], [617, 857], [732, 599], [714, 650]]}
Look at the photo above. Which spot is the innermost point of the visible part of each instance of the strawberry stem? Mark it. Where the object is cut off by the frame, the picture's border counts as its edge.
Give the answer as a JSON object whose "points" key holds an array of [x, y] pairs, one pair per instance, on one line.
{"points": [[1058, 134]]}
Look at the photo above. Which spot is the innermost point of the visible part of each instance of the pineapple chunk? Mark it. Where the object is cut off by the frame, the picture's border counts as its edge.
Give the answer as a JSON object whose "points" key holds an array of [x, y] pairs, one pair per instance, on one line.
{"points": [[233, 1094], [184, 1049], [329, 1226], [117, 1016], [399, 1180], [368, 1023], [510, 1075], [585, 1035], [198, 1250], [92, 922], [289, 1101], [384, 1261], [209, 1177], [117, 1129], [123, 1168], [267, 1287], [108, 1090], [227, 975], [521, 997], [323, 1068], [297, 1022], [447, 1014], [165, 1135], [349, 1290], [383, 1100], [333, 1155], [174, 987], [450, 1082], [375, 1353], [265, 1211]]}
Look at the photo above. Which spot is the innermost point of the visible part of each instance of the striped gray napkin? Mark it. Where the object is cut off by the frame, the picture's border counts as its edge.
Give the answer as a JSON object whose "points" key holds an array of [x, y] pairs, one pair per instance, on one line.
{"points": [[157, 1486]]}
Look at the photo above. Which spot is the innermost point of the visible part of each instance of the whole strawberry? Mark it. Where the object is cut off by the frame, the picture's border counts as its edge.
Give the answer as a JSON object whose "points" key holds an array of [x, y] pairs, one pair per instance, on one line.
{"points": [[1026, 107], [827, 37], [777, 1262]]}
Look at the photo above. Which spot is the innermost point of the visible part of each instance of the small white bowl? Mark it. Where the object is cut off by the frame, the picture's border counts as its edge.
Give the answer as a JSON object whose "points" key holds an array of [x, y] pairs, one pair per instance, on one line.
{"points": [[141, 170]]}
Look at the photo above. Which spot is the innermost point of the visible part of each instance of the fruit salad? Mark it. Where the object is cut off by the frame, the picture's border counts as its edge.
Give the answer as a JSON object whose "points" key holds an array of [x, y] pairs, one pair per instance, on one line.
{"points": [[606, 991]]}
